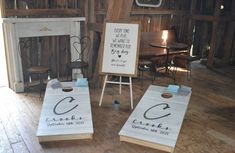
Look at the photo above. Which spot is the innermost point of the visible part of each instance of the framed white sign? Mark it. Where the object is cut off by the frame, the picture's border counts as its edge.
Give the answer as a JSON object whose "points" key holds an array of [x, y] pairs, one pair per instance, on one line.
{"points": [[121, 49]]}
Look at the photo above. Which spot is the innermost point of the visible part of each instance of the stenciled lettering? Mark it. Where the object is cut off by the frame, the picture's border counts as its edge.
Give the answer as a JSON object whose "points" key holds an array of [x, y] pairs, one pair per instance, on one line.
{"points": [[166, 106], [151, 125], [69, 99]]}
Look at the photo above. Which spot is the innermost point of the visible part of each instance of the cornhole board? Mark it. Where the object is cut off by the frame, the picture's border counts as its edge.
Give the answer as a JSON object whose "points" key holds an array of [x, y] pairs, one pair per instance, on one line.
{"points": [[156, 121], [65, 115]]}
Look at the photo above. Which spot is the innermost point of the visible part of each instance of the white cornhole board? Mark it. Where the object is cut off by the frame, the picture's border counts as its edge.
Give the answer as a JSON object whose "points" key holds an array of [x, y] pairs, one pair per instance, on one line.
{"points": [[65, 115], [156, 121]]}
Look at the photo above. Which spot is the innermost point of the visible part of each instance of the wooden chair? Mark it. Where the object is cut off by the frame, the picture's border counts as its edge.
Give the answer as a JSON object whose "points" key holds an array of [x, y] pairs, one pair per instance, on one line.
{"points": [[83, 52], [145, 62], [147, 51], [40, 70], [184, 61], [143, 66]]}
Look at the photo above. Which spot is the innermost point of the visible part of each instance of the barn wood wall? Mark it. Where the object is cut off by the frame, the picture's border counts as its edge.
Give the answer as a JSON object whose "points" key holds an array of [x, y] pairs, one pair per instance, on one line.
{"points": [[203, 23], [183, 15], [55, 50]]}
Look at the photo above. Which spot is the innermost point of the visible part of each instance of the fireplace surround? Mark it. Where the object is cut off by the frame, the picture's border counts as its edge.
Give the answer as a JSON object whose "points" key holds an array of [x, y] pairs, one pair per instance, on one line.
{"points": [[16, 28]]}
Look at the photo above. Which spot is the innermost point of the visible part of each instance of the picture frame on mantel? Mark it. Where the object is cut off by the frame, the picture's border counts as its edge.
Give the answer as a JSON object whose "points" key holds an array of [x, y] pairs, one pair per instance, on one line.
{"points": [[120, 48]]}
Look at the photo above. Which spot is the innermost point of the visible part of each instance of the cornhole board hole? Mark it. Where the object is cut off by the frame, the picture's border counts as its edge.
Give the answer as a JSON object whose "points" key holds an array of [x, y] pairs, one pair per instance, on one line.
{"points": [[65, 115], [156, 121]]}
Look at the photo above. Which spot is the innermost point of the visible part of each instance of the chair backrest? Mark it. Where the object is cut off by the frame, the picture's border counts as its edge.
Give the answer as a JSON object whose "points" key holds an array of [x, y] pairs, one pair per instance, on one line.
{"points": [[82, 46], [23, 45], [31, 53]]}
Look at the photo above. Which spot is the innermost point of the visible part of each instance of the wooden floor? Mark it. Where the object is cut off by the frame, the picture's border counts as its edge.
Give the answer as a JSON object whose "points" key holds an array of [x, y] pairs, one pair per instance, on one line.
{"points": [[208, 127]]}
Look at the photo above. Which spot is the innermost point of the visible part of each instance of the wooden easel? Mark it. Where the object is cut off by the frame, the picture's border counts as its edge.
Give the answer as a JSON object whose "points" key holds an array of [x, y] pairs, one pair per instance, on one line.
{"points": [[120, 54], [120, 87]]}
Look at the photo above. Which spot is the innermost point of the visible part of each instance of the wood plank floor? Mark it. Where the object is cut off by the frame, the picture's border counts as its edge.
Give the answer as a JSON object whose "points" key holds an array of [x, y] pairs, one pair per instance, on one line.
{"points": [[208, 127]]}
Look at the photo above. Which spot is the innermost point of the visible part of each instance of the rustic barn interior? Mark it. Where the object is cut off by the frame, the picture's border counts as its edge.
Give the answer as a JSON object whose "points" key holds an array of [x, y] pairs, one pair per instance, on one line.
{"points": [[206, 27]]}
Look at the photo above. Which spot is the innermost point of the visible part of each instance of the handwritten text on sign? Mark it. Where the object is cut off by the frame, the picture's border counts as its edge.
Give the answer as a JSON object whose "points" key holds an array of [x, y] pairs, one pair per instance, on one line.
{"points": [[120, 48]]}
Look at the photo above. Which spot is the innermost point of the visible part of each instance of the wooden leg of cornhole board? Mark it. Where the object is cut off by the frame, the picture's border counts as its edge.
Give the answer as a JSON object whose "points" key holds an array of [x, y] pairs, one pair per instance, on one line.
{"points": [[147, 144], [102, 93]]}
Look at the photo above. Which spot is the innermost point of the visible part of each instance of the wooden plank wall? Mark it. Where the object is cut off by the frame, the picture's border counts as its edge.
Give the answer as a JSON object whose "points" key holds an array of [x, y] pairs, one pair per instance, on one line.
{"points": [[200, 22], [208, 22], [54, 51]]}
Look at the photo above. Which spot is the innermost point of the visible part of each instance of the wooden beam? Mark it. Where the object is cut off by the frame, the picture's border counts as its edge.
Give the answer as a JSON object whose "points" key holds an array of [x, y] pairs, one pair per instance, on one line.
{"points": [[23, 12], [213, 18], [228, 41], [98, 27], [122, 9], [122, 12], [175, 12], [191, 21], [93, 51], [149, 12], [2, 9], [158, 12], [213, 42], [205, 17]]}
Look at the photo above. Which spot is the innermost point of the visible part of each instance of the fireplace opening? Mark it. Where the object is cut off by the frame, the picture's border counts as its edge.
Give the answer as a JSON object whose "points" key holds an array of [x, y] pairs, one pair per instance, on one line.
{"points": [[51, 51]]}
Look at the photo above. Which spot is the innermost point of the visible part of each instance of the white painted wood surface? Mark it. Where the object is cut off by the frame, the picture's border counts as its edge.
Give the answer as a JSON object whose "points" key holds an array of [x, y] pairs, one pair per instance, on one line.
{"points": [[156, 121], [16, 28], [65, 115]]}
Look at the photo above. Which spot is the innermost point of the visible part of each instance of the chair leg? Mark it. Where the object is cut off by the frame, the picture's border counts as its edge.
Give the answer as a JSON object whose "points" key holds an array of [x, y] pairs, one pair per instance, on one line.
{"points": [[174, 74], [87, 73], [84, 70], [40, 84], [27, 85], [138, 74], [189, 71], [142, 79], [67, 71], [154, 70], [70, 72]]}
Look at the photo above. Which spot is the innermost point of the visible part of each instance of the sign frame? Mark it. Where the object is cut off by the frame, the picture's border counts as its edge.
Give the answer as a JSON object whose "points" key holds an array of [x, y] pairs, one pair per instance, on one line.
{"points": [[118, 24]]}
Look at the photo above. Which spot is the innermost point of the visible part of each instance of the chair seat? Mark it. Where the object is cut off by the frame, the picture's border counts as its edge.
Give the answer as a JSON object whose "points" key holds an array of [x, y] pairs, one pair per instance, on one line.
{"points": [[144, 65], [184, 61], [192, 58], [38, 69], [78, 64]]}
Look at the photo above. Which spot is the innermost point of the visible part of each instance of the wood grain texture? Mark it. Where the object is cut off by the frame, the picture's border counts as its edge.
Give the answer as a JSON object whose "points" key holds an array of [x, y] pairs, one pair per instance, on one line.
{"points": [[40, 12], [214, 40], [211, 107], [2, 9]]}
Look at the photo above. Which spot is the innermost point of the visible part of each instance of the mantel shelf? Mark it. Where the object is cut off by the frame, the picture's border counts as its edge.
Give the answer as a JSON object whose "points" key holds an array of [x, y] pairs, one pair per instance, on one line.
{"points": [[35, 12]]}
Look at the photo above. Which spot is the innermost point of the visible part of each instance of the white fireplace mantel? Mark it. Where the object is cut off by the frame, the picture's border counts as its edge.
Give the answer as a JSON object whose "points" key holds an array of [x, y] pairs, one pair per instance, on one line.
{"points": [[15, 28]]}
